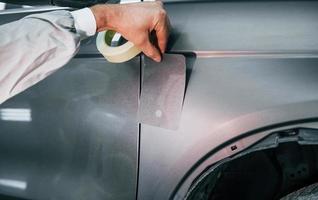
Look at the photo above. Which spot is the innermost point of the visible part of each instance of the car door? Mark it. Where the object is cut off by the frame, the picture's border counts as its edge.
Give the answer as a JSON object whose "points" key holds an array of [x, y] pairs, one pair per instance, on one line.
{"points": [[74, 135]]}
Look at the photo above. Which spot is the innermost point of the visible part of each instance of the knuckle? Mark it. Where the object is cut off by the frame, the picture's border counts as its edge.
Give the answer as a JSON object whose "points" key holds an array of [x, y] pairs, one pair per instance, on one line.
{"points": [[162, 13], [159, 3]]}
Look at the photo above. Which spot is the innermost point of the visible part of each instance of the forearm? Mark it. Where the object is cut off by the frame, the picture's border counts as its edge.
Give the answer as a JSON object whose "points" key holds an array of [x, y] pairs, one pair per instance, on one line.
{"points": [[34, 47]]}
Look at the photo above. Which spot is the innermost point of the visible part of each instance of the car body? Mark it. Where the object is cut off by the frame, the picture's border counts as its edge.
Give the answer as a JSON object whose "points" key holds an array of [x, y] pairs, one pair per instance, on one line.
{"points": [[251, 72]]}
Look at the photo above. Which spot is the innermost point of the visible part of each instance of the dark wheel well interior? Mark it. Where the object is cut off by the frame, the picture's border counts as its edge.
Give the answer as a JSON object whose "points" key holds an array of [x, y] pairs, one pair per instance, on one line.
{"points": [[263, 173]]}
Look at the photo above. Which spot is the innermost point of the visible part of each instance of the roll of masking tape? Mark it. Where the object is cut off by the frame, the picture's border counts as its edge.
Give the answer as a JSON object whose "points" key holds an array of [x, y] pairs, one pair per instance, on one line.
{"points": [[117, 54]]}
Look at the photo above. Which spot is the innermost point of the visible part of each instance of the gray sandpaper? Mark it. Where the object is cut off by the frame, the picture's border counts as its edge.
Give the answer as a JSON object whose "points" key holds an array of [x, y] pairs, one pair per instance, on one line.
{"points": [[162, 91]]}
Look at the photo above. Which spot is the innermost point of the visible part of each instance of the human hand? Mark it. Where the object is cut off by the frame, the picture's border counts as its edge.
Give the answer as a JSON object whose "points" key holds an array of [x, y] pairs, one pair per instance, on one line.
{"points": [[135, 22]]}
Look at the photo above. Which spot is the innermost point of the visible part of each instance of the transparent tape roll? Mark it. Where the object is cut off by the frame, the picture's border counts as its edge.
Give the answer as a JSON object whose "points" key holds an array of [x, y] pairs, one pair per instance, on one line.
{"points": [[115, 54]]}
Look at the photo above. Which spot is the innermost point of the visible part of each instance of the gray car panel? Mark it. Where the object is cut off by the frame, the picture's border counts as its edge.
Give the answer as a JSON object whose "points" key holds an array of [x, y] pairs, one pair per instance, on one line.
{"points": [[254, 66], [73, 135], [244, 26], [225, 98]]}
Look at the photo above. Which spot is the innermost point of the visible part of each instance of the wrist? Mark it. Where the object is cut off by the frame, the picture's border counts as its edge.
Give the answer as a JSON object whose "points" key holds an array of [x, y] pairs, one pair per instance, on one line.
{"points": [[105, 16]]}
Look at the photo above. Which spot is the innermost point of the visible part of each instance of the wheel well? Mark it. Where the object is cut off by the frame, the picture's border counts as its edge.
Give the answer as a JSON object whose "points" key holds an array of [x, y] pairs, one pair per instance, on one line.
{"points": [[279, 164]]}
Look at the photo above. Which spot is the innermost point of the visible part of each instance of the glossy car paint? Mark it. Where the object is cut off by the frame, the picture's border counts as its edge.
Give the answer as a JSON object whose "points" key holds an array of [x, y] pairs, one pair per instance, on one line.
{"points": [[251, 69], [74, 135], [255, 68]]}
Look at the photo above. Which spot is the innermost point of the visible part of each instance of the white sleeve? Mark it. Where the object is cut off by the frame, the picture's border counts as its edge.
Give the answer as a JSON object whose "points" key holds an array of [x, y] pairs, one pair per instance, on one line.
{"points": [[85, 22], [33, 48]]}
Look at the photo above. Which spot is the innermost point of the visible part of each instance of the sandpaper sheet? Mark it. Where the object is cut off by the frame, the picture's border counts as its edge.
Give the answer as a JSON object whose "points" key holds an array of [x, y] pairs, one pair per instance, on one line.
{"points": [[162, 91]]}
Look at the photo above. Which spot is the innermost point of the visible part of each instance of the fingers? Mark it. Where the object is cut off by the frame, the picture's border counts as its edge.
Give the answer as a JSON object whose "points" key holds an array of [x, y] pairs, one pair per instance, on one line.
{"points": [[162, 33], [162, 27], [136, 21], [150, 50]]}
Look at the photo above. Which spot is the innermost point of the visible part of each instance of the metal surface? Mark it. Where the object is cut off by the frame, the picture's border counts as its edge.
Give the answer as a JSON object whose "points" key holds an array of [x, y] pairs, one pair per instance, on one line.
{"points": [[244, 26], [225, 98], [232, 95], [73, 135], [162, 91]]}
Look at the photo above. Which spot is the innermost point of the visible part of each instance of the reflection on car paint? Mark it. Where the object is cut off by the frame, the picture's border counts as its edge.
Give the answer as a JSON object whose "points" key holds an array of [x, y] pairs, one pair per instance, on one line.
{"points": [[16, 114]]}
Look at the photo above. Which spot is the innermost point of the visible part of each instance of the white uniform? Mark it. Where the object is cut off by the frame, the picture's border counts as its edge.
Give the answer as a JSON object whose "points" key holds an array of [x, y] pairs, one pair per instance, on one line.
{"points": [[37, 45]]}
